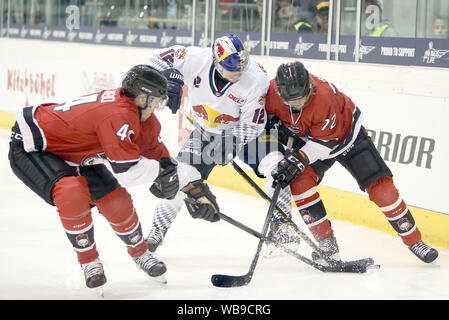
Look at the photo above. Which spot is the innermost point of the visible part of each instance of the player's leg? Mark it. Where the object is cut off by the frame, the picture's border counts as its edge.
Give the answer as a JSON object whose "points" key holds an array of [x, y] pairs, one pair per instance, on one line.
{"points": [[193, 166], [311, 207], [58, 184], [115, 204], [366, 165]]}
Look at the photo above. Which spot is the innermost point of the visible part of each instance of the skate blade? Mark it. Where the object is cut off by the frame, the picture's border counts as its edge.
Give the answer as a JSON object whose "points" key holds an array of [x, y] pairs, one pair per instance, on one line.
{"points": [[159, 279], [99, 291]]}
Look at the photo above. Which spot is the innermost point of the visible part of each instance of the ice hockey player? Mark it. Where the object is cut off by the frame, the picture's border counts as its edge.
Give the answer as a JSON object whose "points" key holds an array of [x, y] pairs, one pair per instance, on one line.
{"points": [[227, 92], [328, 128], [58, 151]]}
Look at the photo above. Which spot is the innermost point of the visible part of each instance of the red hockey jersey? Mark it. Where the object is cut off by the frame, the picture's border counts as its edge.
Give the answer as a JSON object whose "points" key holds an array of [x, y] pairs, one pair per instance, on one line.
{"points": [[91, 128], [329, 122]]}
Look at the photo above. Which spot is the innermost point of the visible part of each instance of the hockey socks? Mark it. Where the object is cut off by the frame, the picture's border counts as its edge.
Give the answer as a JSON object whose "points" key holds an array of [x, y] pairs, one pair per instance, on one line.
{"points": [[385, 195]]}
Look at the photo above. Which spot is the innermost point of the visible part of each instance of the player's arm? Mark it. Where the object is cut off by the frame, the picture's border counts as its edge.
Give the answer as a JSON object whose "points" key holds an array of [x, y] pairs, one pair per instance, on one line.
{"points": [[169, 63], [117, 135], [166, 184]]}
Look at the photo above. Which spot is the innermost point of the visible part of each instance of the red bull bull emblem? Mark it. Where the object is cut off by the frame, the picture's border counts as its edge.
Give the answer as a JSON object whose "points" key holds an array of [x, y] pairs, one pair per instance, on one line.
{"points": [[212, 117]]}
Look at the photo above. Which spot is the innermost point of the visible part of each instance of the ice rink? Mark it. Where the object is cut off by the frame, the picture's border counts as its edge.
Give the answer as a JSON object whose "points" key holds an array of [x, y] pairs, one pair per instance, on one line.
{"points": [[37, 261]]}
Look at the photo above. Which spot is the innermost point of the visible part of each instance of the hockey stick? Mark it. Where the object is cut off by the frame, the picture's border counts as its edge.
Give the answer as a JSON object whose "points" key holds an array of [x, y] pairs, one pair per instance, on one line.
{"points": [[226, 281], [335, 266], [255, 186], [356, 266]]}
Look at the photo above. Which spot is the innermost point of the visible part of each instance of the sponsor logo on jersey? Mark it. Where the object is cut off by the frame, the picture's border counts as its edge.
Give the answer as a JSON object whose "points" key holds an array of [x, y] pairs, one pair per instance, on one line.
{"points": [[212, 117], [235, 98], [180, 53]]}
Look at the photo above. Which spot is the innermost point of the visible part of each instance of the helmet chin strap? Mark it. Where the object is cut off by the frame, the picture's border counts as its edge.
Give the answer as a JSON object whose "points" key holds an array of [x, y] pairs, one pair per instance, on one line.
{"points": [[298, 112]]}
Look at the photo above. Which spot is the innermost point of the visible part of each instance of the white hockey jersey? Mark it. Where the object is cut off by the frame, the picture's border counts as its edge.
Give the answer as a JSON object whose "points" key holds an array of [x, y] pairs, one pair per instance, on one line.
{"points": [[237, 108]]}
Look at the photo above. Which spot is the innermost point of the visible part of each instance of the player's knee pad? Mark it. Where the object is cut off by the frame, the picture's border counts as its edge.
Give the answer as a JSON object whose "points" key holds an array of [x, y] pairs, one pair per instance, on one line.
{"points": [[305, 181], [383, 192], [39, 171], [117, 207], [385, 195], [71, 197], [363, 161], [100, 180]]}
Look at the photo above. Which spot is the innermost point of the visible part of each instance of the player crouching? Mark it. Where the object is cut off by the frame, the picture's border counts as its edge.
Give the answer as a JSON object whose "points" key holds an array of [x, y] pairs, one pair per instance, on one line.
{"points": [[58, 151]]}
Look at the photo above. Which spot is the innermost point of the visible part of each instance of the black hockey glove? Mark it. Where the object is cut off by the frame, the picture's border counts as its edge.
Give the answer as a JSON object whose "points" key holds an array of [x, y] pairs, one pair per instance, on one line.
{"points": [[200, 201], [284, 133], [289, 168], [166, 185], [223, 148], [175, 82]]}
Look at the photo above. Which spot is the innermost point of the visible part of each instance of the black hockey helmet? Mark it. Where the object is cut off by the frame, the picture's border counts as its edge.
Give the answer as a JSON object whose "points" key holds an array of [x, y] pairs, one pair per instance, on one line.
{"points": [[144, 79], [292, 81]]}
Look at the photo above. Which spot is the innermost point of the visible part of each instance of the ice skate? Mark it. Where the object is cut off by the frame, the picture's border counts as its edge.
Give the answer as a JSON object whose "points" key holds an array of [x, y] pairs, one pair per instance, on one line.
{"points": [[94, 274], [281, 234], [155, 238], [151, 266], [424, 251], [330, 249]]}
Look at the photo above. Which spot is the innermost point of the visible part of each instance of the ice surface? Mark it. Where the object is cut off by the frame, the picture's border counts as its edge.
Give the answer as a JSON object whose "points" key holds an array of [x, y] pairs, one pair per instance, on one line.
{"points": [[37, 261]]}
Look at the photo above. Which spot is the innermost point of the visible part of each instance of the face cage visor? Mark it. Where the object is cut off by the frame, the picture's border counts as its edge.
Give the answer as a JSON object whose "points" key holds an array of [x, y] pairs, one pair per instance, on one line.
{"points": [[296, 105], [157, 103]]}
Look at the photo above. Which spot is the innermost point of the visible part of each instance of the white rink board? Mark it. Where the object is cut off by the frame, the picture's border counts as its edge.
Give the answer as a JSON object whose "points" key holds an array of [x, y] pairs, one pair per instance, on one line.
{"points": [[406, 101]]}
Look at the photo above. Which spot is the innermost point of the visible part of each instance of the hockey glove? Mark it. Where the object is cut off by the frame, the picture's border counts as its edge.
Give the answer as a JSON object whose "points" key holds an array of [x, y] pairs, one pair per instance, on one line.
{"points": [[283, 133], [175, 82], [200, 201], [166, 185], [223, 149], [289, 168]]}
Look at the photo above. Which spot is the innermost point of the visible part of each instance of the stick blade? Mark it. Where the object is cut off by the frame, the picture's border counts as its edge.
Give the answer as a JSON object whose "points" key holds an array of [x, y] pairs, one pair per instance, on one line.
{"points": [[355, 266], [226, 281]]}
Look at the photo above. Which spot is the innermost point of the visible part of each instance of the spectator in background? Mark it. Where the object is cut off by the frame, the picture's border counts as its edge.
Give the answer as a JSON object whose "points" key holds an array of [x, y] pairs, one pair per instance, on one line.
{"points": [[440, 29], [375, 24], [294, 13], [288, 14], [322, 16]]}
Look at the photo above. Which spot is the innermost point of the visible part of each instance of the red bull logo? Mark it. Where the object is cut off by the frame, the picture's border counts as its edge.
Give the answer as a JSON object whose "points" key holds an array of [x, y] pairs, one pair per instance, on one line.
{"points": [[220, 50], [212, 117]]}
